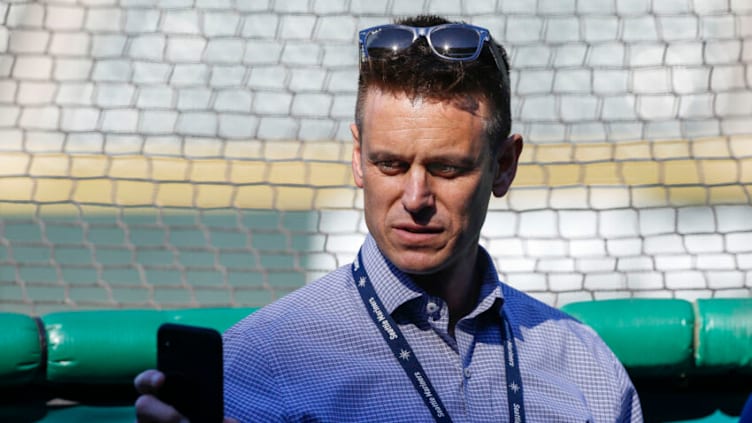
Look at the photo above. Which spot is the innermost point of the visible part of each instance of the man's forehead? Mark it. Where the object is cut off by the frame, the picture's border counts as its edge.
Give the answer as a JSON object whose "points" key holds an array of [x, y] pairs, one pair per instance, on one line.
{"points": [[391, 119], [474, 104]]}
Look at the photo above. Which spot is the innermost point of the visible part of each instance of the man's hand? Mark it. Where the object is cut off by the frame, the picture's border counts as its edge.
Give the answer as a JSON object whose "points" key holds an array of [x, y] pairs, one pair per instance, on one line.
{"points": [[149, 409]]}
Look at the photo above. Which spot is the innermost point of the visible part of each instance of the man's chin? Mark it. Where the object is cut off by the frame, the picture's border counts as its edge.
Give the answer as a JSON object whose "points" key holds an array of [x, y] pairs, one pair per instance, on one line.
{"points": [[423, 262]]}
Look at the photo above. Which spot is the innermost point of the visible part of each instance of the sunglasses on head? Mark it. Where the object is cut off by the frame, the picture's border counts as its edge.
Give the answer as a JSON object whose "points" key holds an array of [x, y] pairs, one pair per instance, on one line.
{"points": [[453, 41]]}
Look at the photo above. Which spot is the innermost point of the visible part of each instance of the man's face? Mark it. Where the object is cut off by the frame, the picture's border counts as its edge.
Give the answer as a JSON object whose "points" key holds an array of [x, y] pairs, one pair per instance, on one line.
{"points": [[427, 172]]}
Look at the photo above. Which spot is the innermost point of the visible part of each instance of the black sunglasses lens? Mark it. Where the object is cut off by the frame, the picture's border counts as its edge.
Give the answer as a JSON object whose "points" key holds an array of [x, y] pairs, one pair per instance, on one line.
{"points": [[455, 43], [387, 41]]}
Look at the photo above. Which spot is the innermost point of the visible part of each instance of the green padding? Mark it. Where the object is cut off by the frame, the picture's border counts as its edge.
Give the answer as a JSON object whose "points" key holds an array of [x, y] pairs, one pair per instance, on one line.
{"points": [[89, 414], [112, 346], [717, 417], [643, 333], [20, 352], [216, 318], [724, 333]]}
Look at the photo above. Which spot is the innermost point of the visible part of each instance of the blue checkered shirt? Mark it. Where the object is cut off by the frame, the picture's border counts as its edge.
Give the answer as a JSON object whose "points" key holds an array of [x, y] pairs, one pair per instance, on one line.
{"points": [[316, 355]]}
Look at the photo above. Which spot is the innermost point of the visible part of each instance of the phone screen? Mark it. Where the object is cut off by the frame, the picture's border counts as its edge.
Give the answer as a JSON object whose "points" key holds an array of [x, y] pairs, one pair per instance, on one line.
{"points": [[191, 359]]}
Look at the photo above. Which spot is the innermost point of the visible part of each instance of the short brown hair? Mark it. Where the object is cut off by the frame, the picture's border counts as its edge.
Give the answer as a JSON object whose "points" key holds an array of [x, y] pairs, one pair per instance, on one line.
{"points": [[418, 73]]}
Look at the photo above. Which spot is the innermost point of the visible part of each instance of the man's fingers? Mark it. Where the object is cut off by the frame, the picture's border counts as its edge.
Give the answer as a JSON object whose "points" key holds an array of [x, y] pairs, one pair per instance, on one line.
{"points": [[151, 410], [149, 381]]}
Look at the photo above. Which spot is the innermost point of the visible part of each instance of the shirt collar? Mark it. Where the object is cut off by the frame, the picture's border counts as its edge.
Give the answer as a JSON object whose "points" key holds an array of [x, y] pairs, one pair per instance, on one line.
{"points": [[396, 288]]}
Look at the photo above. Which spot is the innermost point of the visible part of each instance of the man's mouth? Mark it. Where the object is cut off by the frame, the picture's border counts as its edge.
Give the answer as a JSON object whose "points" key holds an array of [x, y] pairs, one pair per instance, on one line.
{"points": [[415, 229]]}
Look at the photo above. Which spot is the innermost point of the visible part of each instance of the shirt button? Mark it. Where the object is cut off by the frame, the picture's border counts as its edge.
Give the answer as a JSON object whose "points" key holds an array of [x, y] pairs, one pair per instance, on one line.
{"points": [[467, 372], [431, 308]]}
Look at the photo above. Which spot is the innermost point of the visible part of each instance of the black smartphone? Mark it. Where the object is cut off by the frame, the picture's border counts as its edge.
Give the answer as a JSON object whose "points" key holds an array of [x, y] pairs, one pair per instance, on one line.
{"points": [[191, 359]]}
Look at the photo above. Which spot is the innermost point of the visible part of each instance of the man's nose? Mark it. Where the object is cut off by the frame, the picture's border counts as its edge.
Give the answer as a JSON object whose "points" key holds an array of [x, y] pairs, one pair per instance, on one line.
{"points": [[417, 195]]}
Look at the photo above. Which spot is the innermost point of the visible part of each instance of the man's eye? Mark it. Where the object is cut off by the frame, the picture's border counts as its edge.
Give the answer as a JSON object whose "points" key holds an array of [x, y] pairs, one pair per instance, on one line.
{"points": [[390, 166], [445, 170]]}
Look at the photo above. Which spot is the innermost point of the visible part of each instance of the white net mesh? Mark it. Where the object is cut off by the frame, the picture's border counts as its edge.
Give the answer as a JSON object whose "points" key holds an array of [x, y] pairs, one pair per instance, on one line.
{"points": [[195, 153]]}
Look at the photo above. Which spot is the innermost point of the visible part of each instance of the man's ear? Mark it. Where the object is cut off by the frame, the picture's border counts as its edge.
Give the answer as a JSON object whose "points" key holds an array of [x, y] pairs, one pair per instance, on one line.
{"points": [[507, 159], [357, 167]]}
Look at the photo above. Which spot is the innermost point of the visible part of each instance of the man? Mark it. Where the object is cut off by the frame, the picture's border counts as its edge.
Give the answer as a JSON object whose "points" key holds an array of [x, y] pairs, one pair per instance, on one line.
{"points": [[419, 327]]}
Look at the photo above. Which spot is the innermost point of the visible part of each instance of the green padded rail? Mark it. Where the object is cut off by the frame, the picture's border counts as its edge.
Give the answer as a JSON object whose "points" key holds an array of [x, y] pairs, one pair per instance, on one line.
{"points": [[20, 349], [654, 335], [112, 346], [724, 333]]}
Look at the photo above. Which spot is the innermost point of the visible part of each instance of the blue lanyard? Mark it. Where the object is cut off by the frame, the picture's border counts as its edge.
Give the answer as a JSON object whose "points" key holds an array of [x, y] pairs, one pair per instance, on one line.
{"points": [[410, 364]]}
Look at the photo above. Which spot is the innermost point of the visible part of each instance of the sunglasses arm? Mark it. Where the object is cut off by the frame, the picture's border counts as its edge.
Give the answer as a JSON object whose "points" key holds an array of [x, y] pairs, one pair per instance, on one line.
{"points": [[502, 63]]}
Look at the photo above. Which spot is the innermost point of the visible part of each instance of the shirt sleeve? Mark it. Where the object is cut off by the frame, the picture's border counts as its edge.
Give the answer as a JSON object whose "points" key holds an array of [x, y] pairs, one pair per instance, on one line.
{"points": [[630, 410], [625, 402], [252, 392]]}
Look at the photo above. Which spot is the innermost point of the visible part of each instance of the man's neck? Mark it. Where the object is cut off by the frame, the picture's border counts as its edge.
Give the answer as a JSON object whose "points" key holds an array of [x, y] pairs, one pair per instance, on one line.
{"points": [[458, 286]]}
